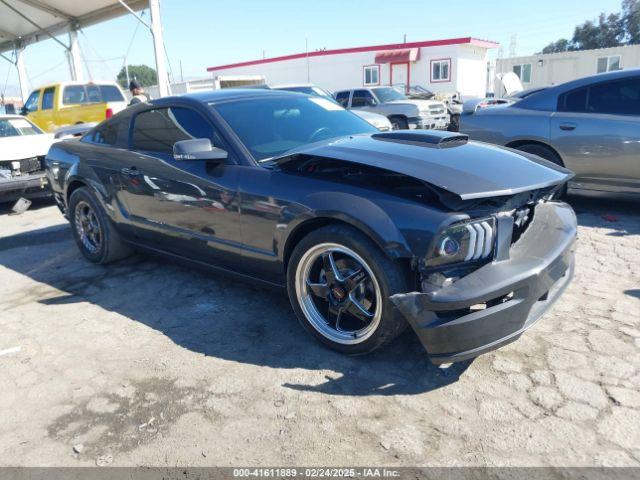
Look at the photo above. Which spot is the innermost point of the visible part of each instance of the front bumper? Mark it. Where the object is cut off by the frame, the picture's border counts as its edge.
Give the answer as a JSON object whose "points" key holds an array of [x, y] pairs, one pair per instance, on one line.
{"points": [[430, 122], [29, 186], [508, 295]]}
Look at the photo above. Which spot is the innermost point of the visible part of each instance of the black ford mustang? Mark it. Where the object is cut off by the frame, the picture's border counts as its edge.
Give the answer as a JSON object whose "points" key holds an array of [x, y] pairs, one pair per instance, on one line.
{"points": [[368, 231]]}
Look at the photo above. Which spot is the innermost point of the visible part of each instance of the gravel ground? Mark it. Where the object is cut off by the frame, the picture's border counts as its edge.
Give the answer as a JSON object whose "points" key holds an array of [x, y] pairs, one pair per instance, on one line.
{"points": [[147, 363]]}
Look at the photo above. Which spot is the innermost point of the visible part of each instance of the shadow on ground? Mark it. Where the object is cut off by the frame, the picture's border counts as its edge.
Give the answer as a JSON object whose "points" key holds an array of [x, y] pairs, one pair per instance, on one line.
{"points": [[214, 316]]}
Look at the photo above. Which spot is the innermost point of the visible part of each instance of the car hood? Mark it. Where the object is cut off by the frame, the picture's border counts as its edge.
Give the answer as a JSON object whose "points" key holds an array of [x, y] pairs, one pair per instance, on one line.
{"points": [[25, 146], [470, 170]]}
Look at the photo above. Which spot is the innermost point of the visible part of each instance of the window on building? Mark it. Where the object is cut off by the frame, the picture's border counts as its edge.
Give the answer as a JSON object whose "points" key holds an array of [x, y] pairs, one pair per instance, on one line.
{"points": [[372, 75], [47, 98], [609, 64], [157, 130], [362, 98], [441, 70], [523, 72], [343, 98]]}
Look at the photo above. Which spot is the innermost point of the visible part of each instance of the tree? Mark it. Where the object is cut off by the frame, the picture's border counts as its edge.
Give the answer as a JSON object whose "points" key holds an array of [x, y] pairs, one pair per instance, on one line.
{"points": [[144, 74], [606, 31], [561, 45], [631, 20]]}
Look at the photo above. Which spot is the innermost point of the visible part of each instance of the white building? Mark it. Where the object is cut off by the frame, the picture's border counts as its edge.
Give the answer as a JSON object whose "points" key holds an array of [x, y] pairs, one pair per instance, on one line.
{"points": [[555, 68], [442, 66]]}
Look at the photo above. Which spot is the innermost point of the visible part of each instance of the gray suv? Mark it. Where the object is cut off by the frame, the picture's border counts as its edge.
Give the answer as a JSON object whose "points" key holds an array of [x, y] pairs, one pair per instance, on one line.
{"points": [[590, 125], [402, 112]]}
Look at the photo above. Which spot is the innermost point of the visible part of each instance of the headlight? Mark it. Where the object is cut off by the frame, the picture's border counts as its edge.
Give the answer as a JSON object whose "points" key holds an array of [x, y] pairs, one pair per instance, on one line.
{"points": [[463, 242]]}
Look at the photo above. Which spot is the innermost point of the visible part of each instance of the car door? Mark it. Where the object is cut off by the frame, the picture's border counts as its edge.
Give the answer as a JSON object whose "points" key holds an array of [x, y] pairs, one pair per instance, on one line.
{"points": [[596, 130], [364, 100], [187, 207]]}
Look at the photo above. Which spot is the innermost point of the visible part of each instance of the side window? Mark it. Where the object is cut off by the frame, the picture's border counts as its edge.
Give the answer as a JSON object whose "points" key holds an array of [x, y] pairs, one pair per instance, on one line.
{"points": [[105, 133], [73, 95], [32, 101], [111, 93], [157, 130], [574, 101], [616, 98], [93, 94], [343, 98], [47, 98], [361, 98]]}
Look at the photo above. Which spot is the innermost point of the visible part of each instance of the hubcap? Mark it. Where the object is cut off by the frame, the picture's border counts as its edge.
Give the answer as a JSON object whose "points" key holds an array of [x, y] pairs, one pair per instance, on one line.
{"points": [[338, 293], [88, 227]]}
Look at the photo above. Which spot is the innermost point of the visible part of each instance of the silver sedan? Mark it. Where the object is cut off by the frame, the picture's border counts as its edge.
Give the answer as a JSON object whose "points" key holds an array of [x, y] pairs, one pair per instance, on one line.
{"points": [[590, 125]]}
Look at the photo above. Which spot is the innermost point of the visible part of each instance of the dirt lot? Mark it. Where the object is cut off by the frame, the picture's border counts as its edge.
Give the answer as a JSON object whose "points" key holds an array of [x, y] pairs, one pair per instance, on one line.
{"points": [[149, 363]]}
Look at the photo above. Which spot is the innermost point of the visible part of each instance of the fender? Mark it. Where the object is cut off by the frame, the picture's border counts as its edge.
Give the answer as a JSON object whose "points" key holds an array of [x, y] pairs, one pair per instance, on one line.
{"points": [[359, 212]]}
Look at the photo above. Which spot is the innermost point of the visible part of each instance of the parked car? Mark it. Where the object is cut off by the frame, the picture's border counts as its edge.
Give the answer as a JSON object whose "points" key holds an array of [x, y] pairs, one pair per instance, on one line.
{"points": [[22, 150], [402, 112], [381, 122], [363, 228], [452, 101], [55, 106], [590, 125]]}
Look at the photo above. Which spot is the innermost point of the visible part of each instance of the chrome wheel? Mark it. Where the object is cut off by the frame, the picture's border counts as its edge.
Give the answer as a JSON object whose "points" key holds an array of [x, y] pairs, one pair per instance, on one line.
{"points": [[88, 227], [338, 293]]}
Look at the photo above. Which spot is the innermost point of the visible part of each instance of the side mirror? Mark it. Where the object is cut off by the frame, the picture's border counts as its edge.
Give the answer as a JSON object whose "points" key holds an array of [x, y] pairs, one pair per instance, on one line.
{"points": [[24, 111], [197, 149], [371, 102]]}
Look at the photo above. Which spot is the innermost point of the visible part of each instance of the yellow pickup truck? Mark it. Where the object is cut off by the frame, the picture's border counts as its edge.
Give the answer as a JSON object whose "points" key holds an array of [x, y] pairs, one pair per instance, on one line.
{"points": [[55, 106]]}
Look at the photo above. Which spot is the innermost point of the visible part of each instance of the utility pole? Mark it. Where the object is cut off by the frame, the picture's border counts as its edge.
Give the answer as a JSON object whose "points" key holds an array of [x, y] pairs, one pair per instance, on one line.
{"points": [[22, 73], [73, 55], [158, 48]]}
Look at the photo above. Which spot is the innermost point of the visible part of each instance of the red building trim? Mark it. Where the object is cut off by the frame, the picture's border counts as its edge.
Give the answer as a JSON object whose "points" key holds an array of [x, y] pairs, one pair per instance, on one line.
{"points": [[364, 77], [372, 48], [431, 70]]}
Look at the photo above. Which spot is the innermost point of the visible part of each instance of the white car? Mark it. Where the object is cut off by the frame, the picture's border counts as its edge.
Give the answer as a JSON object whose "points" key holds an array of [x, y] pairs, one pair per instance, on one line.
{"points": [[381, 122], [22, 150]]}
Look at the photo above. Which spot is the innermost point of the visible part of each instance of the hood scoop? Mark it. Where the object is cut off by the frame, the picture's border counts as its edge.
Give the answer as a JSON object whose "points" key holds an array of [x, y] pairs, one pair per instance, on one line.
{"points": [[424, 138]]}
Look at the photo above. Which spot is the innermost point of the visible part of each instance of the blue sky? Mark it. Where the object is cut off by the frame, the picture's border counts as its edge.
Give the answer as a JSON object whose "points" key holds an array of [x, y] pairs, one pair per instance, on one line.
{"points": [[202, 33]]}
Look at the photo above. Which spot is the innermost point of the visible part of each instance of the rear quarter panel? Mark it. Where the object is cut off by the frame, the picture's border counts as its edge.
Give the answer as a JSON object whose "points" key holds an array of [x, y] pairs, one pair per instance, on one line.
{"points": [[504, 125]]}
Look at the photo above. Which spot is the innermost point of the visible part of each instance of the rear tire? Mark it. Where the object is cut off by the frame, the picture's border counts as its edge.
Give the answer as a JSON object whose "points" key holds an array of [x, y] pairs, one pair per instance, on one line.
{"points": [[346, 318], [93, 230]]}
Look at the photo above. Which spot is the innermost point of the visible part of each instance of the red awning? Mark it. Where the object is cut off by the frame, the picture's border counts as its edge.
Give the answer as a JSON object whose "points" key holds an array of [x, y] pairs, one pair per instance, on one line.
{"points": [[398, 55]]}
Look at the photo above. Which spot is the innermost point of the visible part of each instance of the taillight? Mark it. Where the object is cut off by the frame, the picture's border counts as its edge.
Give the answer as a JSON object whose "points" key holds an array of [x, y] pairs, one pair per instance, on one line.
{"points": [[109, 113]]}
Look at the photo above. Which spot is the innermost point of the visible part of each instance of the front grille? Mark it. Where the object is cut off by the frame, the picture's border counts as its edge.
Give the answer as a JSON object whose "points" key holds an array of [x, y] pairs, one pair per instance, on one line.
{"points": [[30, 165]]}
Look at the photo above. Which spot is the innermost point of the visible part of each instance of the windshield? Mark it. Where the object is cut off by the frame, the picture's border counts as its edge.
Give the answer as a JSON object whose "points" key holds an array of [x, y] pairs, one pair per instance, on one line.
{"points": [[17, 127], [269, 127], [309, 90], [388, 94]]}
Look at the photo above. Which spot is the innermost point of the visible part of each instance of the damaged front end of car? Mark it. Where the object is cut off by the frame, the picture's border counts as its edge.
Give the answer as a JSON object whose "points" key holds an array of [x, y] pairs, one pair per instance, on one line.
{"points": [[501, 257]]}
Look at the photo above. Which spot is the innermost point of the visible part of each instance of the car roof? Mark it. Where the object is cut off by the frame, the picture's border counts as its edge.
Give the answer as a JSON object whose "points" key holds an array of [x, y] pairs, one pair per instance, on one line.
{"points": [[213, 96], [75, 82]]}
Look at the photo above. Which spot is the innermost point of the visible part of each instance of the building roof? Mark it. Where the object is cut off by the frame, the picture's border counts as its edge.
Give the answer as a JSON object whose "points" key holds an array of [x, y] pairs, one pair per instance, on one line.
{"points": [[371, 48], [29, 21]]}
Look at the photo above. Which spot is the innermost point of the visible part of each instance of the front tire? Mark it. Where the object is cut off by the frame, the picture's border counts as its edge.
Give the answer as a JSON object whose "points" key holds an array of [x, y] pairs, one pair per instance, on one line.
{"points": [[339, 284], [398, 123], [93, 230]]}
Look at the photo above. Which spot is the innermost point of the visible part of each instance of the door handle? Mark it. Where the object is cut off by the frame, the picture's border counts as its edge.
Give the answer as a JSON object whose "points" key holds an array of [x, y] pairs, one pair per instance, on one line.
{"points": [[567, 126], [132, 172]]}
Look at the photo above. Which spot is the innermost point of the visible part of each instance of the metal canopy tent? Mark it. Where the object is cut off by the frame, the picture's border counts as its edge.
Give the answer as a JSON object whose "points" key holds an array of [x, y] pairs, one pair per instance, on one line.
{"points": [[25, 22]]}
